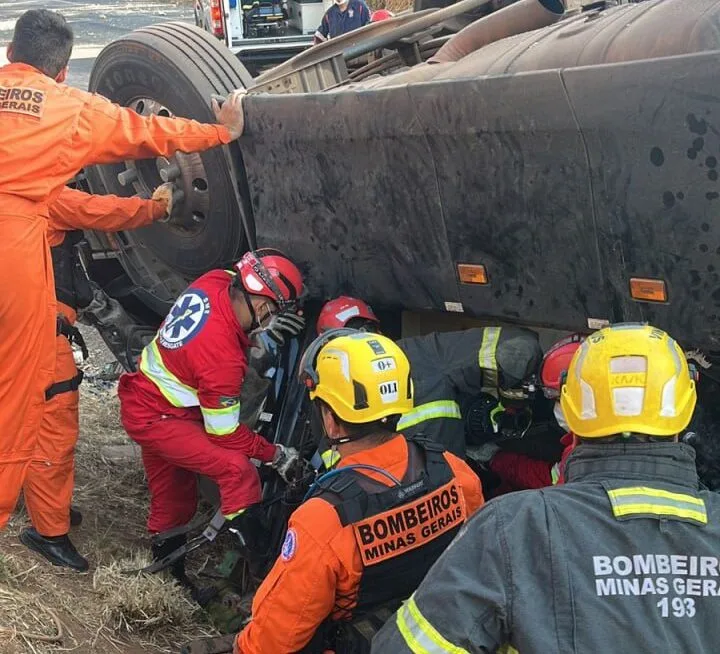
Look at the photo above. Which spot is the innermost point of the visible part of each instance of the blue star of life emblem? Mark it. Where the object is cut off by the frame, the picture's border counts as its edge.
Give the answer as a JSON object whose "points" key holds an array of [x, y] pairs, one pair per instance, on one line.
{"points": [[185, 319]]}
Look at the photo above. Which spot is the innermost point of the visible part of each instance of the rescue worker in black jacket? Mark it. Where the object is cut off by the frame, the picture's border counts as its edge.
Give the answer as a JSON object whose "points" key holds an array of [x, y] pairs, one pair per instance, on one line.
{"points": [[371, 528], [621, 558], [450, 370]]}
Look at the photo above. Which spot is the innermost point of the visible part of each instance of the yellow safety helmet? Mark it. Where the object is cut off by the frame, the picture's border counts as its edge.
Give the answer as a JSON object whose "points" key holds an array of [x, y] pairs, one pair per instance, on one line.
{"points": [[628, 378], [362, 377]]}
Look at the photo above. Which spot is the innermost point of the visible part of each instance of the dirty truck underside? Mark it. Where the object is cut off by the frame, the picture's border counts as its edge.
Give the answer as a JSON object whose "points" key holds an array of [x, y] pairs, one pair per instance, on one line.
{"points": [[566, 160]]}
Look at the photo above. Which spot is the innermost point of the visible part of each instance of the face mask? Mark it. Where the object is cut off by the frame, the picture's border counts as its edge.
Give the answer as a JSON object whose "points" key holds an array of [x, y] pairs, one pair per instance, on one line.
{"points": [[560, 416]]}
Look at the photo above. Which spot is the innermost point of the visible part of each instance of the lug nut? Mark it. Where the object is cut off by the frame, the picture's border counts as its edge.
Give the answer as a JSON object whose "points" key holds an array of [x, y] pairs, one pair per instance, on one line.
{"points": [[127, 176], [178, 196], [170, 173]]}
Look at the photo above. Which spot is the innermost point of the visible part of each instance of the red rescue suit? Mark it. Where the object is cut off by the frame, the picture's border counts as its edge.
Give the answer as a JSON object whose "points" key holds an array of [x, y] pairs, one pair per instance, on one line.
{"points": [[48, 132], [183, 406], [50, 477], [521, 472]]}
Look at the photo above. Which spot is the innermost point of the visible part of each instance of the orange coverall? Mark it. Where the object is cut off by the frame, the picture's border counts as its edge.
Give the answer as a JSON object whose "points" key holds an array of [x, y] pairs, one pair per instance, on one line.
{"points": [[299, 593], [48, 132], [49, 481]]}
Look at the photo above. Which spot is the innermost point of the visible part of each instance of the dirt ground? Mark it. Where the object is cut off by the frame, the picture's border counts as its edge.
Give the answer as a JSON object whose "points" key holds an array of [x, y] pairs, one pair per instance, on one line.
{"points": [[47, 609]]}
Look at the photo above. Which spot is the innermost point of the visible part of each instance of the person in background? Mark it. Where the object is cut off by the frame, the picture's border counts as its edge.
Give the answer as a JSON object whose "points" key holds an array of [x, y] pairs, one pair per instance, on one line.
{"points": [[342, 17]]}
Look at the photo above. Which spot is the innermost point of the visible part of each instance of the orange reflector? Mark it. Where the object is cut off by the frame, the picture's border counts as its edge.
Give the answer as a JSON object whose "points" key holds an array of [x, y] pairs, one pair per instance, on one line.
{"points": [[648, 290], [471, 273]]}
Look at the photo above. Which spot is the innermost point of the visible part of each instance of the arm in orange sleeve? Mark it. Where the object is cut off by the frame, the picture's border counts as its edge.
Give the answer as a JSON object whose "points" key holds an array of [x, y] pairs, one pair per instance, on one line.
{"points": [[74, 209], [299, 593], [108, 133], [469, 482]]}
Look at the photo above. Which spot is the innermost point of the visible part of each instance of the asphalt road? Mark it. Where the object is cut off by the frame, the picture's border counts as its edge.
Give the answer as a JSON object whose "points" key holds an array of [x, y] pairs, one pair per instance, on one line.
{"points": [[95, 24]]}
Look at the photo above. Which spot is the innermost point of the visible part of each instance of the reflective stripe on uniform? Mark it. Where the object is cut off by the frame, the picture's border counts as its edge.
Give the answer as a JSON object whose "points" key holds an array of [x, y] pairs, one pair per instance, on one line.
{"points": [[223, 421], [507, 649], [419, 635], [555, 473], [488, 348], [173, 390], [429, 411], [642, 501], [493, 417], [330, 458]]}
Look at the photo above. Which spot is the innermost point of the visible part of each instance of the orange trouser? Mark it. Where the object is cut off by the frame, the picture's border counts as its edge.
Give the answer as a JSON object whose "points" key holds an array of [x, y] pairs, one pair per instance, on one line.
{"points": [[27, 351], [49, 482]]}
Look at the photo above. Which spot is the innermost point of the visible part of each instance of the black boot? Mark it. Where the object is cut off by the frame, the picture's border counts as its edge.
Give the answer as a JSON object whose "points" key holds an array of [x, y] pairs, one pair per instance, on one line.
{"points": [[59, 550], [163, 548], [75, 517]]}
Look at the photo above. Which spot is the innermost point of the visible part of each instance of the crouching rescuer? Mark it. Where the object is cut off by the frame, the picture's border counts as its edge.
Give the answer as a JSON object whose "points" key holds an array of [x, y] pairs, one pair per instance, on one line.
{"points": [[623, 557], [183, 406], [370, 529]]}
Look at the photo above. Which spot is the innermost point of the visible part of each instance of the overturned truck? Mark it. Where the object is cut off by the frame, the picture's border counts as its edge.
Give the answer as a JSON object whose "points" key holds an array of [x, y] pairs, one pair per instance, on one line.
{"points": [[549, 168]]}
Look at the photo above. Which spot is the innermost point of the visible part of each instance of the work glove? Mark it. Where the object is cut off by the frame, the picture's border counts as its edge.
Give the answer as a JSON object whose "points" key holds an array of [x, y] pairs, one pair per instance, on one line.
{"points": [[164, 194], [283, 326], [231, 113], [284, 461], [483, 453]]}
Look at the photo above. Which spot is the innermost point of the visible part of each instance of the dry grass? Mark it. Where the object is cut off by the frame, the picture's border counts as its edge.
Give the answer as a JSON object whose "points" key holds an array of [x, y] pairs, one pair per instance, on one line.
{"points": [[396, 6], [105, 610]]}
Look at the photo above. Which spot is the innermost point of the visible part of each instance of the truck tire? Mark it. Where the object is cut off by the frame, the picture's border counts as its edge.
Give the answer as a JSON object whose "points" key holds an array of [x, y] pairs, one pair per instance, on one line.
{"points": [[173, 69]]}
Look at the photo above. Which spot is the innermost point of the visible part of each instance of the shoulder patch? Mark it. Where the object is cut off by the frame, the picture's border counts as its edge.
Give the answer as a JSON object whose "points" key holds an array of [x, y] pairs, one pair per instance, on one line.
{"points": [[185, 320], [22, 100], [289, 545]]}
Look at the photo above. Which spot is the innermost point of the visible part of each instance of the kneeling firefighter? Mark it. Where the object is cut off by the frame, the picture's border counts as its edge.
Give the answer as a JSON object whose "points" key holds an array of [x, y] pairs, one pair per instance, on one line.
{"points": [[450, 369], [49, 482], [370, 529]]}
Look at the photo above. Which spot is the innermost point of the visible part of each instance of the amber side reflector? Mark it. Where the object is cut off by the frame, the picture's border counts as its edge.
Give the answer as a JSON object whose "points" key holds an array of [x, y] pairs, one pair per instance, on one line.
{"points": [[648, 290], [471, 273]]}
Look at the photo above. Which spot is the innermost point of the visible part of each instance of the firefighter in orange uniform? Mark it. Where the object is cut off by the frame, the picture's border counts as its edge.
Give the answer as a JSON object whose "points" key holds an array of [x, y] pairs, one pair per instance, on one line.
{"points": [[49, 481], [371, 528], [49, 131]]}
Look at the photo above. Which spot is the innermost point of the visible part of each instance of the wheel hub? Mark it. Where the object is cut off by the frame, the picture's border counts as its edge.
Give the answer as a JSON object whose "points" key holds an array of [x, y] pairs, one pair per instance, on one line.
{"points": [[191, 199]]}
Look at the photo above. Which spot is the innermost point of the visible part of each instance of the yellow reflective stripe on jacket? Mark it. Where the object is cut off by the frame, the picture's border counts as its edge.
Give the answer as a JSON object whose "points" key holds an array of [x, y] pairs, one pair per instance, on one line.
{"points": [[173, 390], [223, 421], [488, 348], [507, 649], [429, 411], [330, 458], [645, 501], [493, 416], [555, 473], [419, 635]]}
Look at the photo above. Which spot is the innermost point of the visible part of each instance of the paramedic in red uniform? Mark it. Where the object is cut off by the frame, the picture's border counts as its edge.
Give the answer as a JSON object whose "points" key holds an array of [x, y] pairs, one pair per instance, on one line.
{"points": [[48, 132], [183, 405]]}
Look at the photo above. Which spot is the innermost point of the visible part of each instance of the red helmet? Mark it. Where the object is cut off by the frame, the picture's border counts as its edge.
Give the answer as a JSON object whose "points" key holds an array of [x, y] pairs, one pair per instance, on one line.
{"points": [[556, 362], [270, 273], [339, 312], [380, 14]]}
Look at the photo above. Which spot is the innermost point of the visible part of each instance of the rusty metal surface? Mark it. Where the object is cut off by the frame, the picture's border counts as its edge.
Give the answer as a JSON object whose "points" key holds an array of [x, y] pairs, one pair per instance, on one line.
{"points": [[656, 28], [516, 18], [564, 183]]}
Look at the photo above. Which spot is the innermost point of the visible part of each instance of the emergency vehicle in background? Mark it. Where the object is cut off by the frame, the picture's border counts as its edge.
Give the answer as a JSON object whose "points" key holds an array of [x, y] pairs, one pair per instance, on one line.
{"points": [[464, 177], [261, 33]]}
